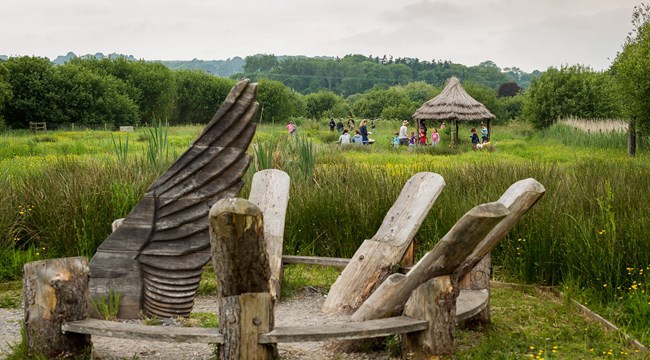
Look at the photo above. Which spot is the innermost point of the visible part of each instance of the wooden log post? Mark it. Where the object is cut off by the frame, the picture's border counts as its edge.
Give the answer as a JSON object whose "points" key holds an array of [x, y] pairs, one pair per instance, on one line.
{"points": [[55, 291], [380, 256], [434, 301], [241, 263], [270, 192]]}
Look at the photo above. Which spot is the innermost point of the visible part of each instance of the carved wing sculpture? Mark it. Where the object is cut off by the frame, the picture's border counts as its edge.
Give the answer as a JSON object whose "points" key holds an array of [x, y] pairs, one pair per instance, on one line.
{"points": [[155, 258]]}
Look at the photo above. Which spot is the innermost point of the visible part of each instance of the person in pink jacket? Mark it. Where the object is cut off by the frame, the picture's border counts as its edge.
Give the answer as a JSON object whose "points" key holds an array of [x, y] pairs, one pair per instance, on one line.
{"points": [[435, 137]]}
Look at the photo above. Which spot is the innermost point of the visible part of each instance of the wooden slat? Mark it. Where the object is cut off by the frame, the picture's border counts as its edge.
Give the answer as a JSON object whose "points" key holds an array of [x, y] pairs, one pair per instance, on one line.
{"points": [[143, 332], [471, 302], [315, 260], [344, 331]]}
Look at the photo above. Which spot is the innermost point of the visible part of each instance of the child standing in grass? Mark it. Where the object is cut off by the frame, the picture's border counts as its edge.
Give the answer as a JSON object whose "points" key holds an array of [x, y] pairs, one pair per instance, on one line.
{"points": [[475, 140], [291, 127], [423, 137], [435, 137], [396, 139], [412, 140], [484, 133]]}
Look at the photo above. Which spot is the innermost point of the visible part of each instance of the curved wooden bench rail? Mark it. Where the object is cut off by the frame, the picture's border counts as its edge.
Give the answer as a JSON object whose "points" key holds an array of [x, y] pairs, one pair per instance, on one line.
{"points": [[469, 303], [121, 330], [344, 331]]}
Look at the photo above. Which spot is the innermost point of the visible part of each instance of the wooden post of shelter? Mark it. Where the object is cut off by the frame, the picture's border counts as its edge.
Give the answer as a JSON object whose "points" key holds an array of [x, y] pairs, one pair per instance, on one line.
{"points": [[489, 128], [241, 263], [55, 291]]}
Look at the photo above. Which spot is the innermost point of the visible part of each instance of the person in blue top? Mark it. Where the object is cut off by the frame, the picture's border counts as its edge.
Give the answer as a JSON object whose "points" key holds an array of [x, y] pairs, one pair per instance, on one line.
{"points": [[484, 133], [364, 132], [357, 139], [475, 139]]}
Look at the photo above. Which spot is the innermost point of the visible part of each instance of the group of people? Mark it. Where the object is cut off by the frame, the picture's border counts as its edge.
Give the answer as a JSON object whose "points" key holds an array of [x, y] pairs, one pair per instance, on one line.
{"points": [[403, 139], [350, 125], [360, 135]]}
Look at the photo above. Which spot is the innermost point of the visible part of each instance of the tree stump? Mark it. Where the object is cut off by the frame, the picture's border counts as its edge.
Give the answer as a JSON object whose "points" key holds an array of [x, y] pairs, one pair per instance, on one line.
{"points": [[435, 301], [242, 267], [55, 291]]}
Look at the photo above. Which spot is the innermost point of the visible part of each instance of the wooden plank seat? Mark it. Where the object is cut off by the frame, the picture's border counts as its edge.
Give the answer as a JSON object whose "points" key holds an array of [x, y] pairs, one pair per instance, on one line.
{"points": [[344, 331], [469, 303], [122, 330]]}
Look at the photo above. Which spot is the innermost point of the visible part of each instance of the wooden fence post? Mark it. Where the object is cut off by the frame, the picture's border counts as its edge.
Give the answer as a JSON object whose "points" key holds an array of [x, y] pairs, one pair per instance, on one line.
{"points": [[242, 267], [434, 301], [55, 291]]}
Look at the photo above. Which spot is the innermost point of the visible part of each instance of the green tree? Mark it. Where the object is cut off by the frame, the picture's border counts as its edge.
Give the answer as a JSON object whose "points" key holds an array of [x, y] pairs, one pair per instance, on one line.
{"points": [[89, 98], [35, 96], [632, 68], [486, 96], [259, 63], [372, 103], [199, 95], [570, 91], [5, 92], [320, 103], [277, 102], [150, 84]]}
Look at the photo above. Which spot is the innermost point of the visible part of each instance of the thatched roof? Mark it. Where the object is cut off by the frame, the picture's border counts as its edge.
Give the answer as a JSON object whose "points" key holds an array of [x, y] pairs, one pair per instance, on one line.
{"points": [[453, 103]]}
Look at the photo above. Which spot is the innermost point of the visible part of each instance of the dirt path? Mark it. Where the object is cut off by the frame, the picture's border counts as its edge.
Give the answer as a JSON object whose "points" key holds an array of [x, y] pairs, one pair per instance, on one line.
{"points": [[302, 310]]}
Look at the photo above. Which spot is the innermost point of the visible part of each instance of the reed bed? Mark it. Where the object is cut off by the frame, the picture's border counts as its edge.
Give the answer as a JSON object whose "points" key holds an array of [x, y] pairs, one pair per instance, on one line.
{"points": [[588, 233]]}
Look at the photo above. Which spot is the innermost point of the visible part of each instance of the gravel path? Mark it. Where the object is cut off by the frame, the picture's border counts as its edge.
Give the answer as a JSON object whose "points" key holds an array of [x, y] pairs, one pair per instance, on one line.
{"points": [[301, 310]]}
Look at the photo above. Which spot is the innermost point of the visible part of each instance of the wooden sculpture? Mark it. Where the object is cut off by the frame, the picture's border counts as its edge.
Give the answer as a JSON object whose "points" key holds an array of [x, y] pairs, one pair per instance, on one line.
{"points": [[155, 258]]}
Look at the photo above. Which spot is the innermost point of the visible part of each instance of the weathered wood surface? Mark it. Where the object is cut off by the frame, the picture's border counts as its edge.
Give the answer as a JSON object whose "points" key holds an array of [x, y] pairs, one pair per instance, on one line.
{"points": [[344, 331], [380, 256], [478, 279], [241, 263], [315, 260], [168, 228], [471, 303], [518, 199], [270, 192], [143, 332], [434, 301], [55, 291], [447, 254]]}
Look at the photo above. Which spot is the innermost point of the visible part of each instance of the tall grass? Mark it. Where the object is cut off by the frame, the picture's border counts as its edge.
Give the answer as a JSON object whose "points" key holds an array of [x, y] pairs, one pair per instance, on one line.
{"points": [[586, 232]]}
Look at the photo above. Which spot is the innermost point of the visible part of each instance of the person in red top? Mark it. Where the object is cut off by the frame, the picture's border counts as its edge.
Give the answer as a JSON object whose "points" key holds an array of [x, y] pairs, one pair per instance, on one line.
{"points": [[423, 137]]}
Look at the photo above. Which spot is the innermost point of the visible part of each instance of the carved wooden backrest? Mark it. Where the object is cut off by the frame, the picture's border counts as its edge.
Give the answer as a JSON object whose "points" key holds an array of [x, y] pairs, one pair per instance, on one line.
{"points": [[155, 258]]}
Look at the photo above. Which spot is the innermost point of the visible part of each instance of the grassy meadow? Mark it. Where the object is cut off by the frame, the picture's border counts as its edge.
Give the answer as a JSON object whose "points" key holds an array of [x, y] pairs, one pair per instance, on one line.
{"points": [[60, 191]]}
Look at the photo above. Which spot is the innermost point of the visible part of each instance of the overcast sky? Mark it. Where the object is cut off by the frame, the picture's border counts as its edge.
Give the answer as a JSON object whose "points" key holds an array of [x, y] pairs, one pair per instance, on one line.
{"points": [[528, 34]]}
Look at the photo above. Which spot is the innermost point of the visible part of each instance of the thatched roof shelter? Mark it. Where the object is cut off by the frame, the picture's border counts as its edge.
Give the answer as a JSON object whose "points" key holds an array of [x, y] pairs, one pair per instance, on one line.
{"points": [[454, 103]]}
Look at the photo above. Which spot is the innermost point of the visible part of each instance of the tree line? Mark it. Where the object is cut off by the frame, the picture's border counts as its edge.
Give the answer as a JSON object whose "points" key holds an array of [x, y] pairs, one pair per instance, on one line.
{"points": [[119, 91], [355, 74]]}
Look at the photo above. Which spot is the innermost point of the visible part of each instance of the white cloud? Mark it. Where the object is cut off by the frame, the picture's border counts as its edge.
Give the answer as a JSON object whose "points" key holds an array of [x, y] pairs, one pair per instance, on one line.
{"points": [[527, 34]]}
